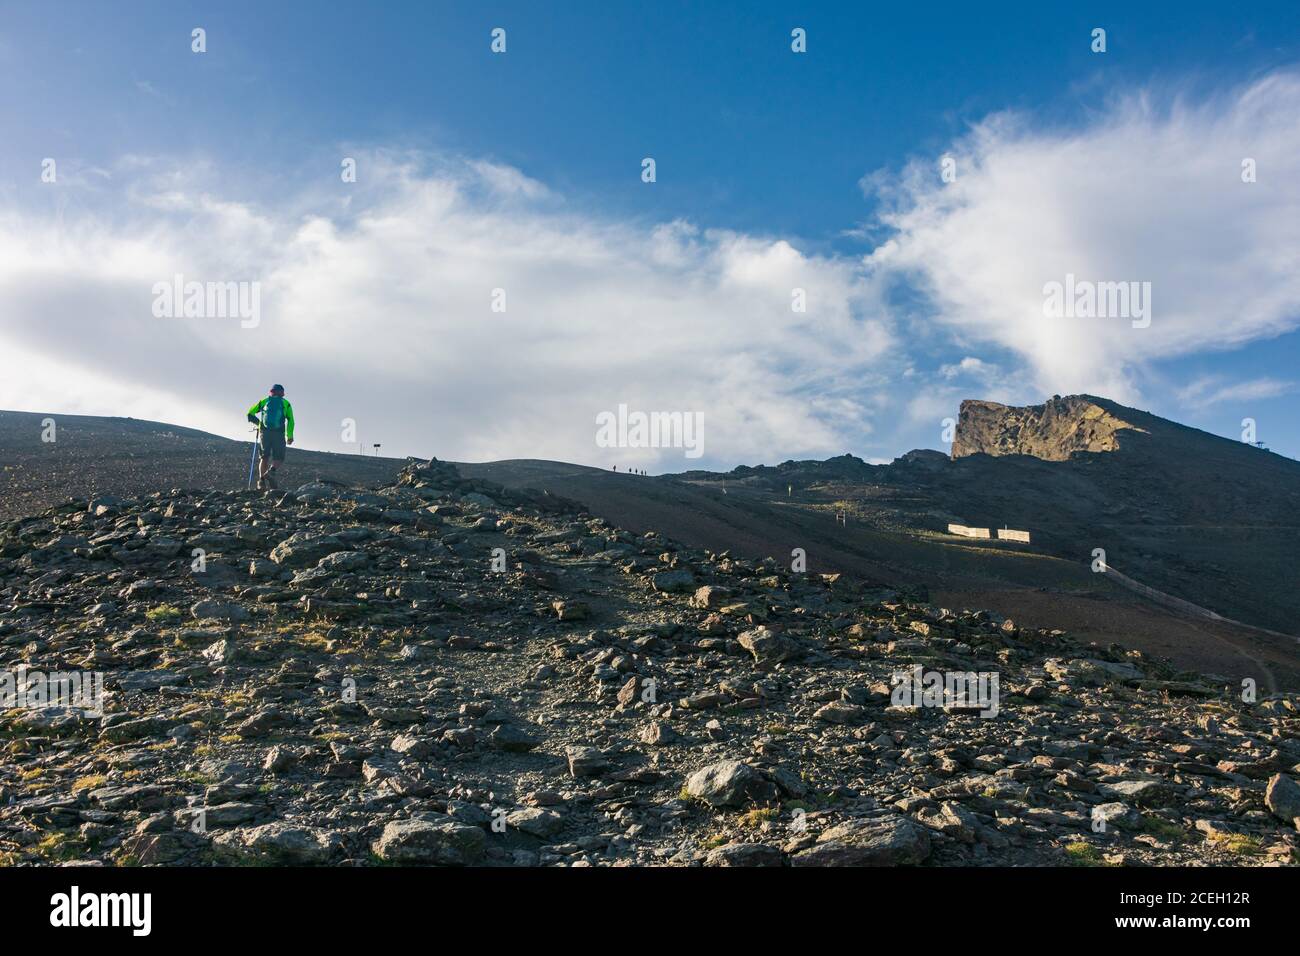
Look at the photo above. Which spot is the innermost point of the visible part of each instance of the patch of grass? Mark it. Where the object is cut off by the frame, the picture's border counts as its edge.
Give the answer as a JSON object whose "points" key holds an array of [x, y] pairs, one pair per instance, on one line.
{"points": [[164, 613], [1217, 707], [1241, 843], [59, 848], [316, 641], [757, 816], [31, 774], [92, 782], [194, 776], [1161, 828], [715, 841], [1080, 853]]}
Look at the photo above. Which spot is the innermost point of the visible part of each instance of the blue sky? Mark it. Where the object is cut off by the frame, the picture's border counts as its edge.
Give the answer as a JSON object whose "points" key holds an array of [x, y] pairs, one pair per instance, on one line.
{"points": [[767, 162]]}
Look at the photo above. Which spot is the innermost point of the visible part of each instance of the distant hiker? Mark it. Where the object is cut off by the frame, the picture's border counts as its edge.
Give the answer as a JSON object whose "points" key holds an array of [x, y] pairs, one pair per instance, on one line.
{"points": [[276, 424]]}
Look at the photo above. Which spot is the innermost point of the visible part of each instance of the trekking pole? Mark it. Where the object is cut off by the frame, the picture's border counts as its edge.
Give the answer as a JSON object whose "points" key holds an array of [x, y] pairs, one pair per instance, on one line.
{"points": [[252, 462]]}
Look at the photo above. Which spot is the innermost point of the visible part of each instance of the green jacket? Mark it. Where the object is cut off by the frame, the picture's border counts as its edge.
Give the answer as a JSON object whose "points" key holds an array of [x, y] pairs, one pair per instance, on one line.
{"points": [[288, 414]]}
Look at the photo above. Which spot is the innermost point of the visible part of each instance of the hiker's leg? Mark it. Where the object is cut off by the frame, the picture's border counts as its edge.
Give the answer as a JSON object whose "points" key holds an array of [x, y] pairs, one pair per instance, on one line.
{"points": [[275, 455], [263, 453]]}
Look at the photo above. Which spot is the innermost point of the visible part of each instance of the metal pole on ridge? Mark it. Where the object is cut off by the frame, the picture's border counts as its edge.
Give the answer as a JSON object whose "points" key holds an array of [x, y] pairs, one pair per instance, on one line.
{"points": [[252, 462]]}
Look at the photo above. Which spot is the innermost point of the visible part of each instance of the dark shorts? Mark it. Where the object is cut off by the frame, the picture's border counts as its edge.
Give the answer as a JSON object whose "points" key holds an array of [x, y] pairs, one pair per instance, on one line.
{"points": [[273, 444]]}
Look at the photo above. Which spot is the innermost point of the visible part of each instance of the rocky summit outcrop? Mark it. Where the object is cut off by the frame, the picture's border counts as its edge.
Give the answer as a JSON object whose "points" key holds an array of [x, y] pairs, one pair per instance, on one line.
{"points": [[1052, 431], [440, 671]]}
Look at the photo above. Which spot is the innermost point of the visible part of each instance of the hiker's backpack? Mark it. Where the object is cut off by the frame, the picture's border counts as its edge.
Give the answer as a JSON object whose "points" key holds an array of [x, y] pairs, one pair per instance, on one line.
{"points": [[273, 412]]}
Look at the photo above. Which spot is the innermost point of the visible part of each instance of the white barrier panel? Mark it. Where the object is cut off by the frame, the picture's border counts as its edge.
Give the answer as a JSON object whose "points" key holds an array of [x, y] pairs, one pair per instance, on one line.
{"points": [[966, 532], [1008, 535]]}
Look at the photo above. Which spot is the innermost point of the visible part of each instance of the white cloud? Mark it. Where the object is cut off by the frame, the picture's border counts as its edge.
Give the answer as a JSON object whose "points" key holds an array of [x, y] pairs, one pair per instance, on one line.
{"points": [[970, 367], [376, 306], [1144, 192], [509, 181], [1214, 389]]}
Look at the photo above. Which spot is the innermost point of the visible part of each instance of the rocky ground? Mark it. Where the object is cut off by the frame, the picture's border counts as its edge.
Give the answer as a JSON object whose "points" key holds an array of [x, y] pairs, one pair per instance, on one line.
{"points": [[329, 676]]}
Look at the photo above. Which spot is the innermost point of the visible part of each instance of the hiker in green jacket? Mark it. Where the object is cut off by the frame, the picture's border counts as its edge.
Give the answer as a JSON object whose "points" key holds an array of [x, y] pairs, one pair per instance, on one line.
{"points": [[276, 424]]}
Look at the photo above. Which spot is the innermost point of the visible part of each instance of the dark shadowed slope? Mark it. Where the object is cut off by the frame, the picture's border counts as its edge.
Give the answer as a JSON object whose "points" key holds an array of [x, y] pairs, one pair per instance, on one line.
{"points": [[1039, 589], [1207, 519], [1211, 520]]}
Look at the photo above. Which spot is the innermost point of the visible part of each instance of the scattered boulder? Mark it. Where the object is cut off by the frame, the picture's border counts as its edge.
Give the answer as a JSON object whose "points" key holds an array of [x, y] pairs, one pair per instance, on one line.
{"points": [[536, 821], [730, 783], [219, 611], [745, 854], [586, 761], [441, 843], [768, 647], [1282, 797], [305, 548], [679, 581], [280, 844], [888, 841]]}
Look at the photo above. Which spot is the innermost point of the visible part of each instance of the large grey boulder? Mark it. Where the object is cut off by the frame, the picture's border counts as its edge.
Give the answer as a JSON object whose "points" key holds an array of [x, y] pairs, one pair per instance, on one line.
{"points": [[888, 841], [279, 843], [1141, 791], [305, 548], [679, 581], [768, 647], [440, 842], [730, 783], [745, 854], [213, 610], [1282, 797]]}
